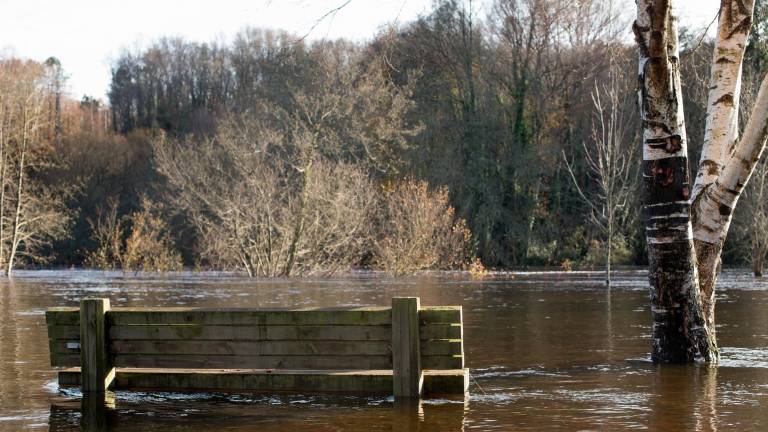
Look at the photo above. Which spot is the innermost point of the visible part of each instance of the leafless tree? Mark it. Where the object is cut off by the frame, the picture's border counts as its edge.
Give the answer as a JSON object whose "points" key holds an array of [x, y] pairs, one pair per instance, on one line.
{"points": [[258, 212], [285, 188], [32, 213], [609, 159]]}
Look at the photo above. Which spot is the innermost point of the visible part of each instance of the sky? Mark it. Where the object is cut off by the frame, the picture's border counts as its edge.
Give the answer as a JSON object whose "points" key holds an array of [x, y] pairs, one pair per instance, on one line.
{"points": [[86, 35]]}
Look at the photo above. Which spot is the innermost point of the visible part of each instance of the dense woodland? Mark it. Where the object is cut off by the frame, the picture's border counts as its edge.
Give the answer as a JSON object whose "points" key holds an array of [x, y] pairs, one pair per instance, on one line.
{"points": [[458, 139]]}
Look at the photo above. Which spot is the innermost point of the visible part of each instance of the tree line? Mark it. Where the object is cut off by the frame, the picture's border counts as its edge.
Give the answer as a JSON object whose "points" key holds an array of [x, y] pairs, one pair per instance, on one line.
{"points": [[502, 136]]}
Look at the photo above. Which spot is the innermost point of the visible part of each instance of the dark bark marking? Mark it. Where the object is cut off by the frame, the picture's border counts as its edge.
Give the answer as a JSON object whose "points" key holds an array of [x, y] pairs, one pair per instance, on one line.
{"points": [[638, 30], [712, 167], [743, 27], [658, 124], [743, 7], [746, 165], [726, 99], [724, 210], [665, 180], [671, 144]]}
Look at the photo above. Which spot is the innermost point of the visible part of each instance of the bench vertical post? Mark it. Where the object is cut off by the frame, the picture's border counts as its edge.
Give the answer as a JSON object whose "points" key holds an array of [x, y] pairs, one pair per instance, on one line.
{"points": [[406, 358], [96, 372]]}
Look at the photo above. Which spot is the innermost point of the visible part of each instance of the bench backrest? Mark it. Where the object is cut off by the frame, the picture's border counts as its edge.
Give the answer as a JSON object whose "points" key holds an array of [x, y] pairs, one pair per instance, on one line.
{"points": [[209, 338]]}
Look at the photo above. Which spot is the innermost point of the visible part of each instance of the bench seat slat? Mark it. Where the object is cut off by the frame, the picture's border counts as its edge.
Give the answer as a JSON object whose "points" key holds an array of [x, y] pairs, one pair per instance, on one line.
{"points": [[440, 331], [68, 332], [441, 347], [440, 315], [277, 332], [200, 316], [63, 316], [252, 348], [260, 362], [65, 360], [442, 362], [348, 381]]}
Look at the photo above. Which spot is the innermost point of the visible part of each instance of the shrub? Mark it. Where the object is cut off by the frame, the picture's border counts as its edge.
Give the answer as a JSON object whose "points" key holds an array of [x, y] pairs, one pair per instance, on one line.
{"points": [[146, 246], [420, 230], [257, 212]]}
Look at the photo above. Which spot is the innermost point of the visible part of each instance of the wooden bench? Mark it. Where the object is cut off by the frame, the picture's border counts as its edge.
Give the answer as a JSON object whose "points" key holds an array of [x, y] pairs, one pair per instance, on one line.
{"points": [[406, 350]]}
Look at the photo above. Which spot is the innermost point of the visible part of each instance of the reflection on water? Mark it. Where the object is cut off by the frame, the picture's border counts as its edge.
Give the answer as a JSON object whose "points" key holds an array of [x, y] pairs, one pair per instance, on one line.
{"points": [[546, 350]]}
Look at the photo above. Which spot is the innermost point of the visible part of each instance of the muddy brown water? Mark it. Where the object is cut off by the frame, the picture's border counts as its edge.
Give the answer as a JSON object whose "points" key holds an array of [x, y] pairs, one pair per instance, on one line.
{"points": [[547, 351]]}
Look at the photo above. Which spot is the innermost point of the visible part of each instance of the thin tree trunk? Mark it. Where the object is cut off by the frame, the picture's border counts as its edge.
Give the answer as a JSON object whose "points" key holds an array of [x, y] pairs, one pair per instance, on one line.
{"points": [[712, 213], [531, 218], [19, 196], [608, 254], [714, 206], [721, 130], [3, 158], [299, 227], [57, 128], [679, 330]]}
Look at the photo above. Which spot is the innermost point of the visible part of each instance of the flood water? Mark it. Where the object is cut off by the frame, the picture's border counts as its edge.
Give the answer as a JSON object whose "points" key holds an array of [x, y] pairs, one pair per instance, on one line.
{"points": [[547, 351]]}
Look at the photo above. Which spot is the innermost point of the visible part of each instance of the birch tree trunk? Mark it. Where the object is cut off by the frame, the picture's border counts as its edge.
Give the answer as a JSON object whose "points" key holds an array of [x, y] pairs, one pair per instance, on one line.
{"points": [[29, 124], [679, 329], [711, 211], [714, 206]]}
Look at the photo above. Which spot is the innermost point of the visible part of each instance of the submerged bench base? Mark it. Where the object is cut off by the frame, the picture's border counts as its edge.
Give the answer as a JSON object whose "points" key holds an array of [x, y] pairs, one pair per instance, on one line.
{"points": [[447, 382]]}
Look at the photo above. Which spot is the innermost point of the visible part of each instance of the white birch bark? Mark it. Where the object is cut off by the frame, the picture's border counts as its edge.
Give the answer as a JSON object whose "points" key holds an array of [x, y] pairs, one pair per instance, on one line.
{"points": [[721, 129], [716, 204], [679, 330], [712, 205]]}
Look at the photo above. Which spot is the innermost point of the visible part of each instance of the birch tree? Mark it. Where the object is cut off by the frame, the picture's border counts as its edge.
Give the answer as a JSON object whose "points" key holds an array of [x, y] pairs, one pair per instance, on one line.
{"points": [[32, 213], [609, 164], [685, 227]]}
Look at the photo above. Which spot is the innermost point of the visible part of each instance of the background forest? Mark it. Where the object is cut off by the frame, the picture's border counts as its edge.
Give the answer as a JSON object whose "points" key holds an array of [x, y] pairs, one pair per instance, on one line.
{"points": [[447, 142]]}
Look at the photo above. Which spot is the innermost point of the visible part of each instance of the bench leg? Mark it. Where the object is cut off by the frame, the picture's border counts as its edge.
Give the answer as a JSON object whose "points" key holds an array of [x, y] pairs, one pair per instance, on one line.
{"points": [[406, 358], [96, 371], [94, 409]]}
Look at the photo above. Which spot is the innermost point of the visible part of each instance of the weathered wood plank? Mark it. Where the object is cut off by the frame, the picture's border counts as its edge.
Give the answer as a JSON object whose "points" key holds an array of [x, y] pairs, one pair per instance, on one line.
{"points": [[440, 315], [437, 347], [261, 362], [256, 332], [63, 316], [65, 360], [447, 382], [406, 361], [69, 377], [442, 382], [369, 382], [68, 332], [63, 346], [440, 331], [94, 359], [442, 362], [255, 348], [203, 316]]}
